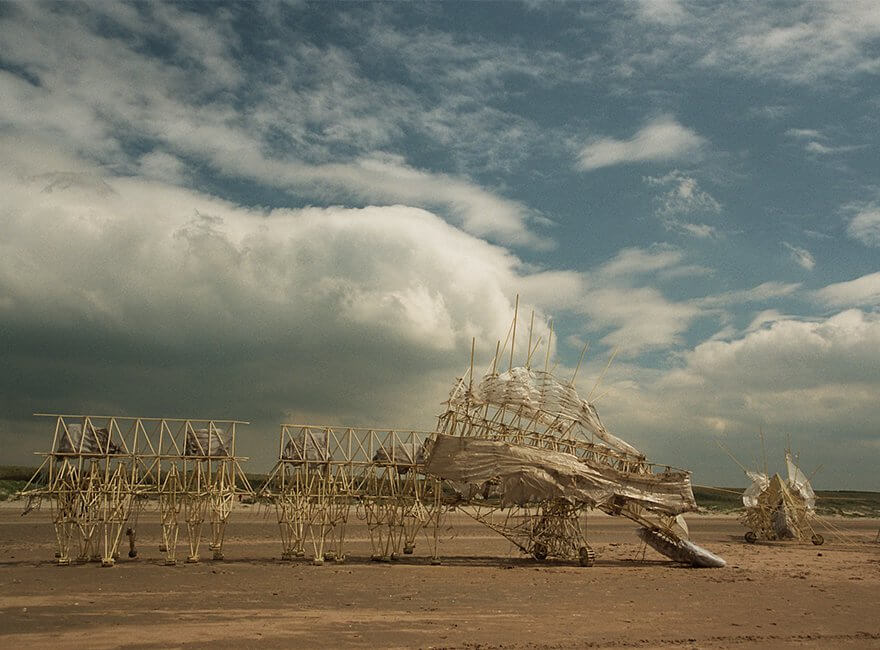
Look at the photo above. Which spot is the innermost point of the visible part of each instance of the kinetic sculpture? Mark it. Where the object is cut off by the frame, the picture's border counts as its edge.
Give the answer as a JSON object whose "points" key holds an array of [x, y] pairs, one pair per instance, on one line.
{"points": [[528, 457], [325, 473], [103, 470], [777, 509]]}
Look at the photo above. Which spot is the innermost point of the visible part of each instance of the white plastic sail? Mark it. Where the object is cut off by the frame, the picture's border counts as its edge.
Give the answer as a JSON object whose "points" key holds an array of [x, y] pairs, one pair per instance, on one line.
{"points": [[760, 482], [540, 394], [798, 481]]}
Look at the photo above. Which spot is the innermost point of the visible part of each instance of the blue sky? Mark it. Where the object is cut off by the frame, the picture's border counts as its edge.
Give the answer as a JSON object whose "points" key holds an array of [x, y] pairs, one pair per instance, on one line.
{"points": [[306, 211]]}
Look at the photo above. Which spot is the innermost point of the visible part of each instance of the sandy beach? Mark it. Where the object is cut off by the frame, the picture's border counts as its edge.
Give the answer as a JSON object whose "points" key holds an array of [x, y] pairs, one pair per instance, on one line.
{"points": [[484, 595]]}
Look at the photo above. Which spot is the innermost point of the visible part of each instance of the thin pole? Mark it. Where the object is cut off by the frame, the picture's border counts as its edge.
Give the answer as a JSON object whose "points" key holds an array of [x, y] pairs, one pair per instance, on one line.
{"points": [[578, 367], [513, 338], [529, 347], [763, 449], [471, 383], [532, 352], [549, 341], [732, 457], [502, 348], [599, 380]]}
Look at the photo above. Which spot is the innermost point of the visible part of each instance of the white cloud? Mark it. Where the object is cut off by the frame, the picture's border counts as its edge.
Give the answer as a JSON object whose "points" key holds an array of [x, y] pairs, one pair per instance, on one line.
{"points": [[683, 195], [698, 230], [865, 227], [162, 166], [863, 291], [631, 261], [664, 12], [801, 256], [807, 42], [817, 142], [816, 382], [771, 111], [97, 93], [378, 292], [620, 301], [764, 317], [640, 318], [802, 43], [810, 134], [129, 249], [762, 292], [127, 282], [826, 150], [792, 355], [662, 139]]}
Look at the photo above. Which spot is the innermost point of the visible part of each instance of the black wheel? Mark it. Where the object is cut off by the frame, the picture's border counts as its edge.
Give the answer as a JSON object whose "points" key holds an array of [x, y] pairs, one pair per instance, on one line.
{"points": [[539, 552], [817, 539], [586, 556], [750, 537]]}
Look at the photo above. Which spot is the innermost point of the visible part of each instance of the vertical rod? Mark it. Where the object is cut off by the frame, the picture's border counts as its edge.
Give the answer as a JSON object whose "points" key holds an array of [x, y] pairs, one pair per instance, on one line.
{"points": [[763, 450], [578, 367], [532, 352], [529, 347], [471, 383], [513, 338], [549, 341]]}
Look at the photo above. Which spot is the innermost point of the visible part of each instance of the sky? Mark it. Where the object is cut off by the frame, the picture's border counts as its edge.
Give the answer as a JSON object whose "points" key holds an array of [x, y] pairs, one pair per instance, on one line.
{"points": [[305, 212]]}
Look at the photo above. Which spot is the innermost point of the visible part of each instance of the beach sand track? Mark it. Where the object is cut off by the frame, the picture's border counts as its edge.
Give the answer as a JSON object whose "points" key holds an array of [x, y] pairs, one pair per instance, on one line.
{"points": [[484, 595]]}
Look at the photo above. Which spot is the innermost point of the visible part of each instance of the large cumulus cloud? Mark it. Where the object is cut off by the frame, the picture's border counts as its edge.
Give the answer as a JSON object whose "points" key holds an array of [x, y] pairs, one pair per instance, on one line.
{"points": [[812, 383], [142, 297]]}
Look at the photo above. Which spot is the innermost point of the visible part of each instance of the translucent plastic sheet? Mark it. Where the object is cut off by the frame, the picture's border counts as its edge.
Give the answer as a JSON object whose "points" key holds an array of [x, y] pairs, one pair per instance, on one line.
{"points": [[95, 441], [205, 442], [307, 445], [798, 482], [530, 475], [753, 492], [539, 393]]}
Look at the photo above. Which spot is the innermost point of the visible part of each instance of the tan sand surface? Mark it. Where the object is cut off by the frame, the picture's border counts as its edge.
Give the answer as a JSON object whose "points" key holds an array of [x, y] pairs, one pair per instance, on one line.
{"points": [[483, 596]]}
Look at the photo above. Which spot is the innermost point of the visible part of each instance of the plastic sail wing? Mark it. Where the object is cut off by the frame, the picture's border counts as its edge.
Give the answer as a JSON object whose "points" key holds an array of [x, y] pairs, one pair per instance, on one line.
{"points": [[760, 482], [539, 393], [800, 483], [528, 475]]}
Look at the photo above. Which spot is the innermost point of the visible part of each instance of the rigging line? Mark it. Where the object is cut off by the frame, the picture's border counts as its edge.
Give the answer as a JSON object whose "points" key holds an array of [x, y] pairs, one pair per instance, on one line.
{"points": [[718, 489], [732, 457], [607, 365]]}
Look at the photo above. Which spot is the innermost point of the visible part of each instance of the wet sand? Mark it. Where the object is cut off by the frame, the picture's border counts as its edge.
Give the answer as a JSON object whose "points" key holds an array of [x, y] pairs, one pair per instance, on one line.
{"points": [[484, 595]]}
